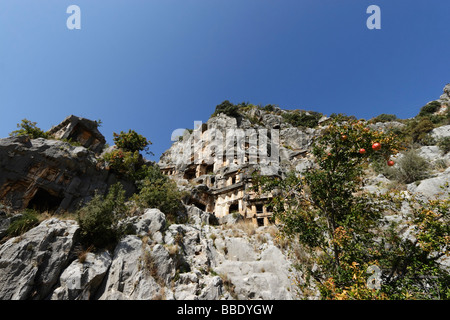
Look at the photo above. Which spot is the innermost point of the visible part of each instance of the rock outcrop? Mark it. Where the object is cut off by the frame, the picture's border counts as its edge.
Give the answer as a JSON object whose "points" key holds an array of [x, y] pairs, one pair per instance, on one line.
{"points": [[50, 175], [193, 261], [227, 248], [31, 264]]}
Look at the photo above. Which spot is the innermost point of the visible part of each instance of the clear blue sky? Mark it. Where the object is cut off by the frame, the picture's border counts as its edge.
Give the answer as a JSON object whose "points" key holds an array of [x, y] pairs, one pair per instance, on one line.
{"points": [[158, 65]]}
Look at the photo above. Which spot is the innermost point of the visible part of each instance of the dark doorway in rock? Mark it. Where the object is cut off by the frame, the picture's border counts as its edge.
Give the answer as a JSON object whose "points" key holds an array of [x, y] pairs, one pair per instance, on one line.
{"points": [[44, 201], [234, 208], [209, 169], [189, 174], [199, 205], [260, 222], [259, 208]]}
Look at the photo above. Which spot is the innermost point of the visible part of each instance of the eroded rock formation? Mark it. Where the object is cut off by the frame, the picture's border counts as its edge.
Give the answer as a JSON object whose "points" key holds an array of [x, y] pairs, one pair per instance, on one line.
{"points": [[50, 175]]}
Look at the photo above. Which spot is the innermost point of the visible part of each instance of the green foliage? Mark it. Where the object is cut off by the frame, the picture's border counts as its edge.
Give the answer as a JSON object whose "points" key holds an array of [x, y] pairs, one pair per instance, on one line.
{"points": [[409, 168], [416, 131], [343, 230], [444, 144], [28, 220], [228, 109], [429, 109], [26, 127], [131, 141], [158, 191], [302, 119], [126, 159], [124, 163], [342, 116], [268, 108], [99, 219], [384, 118]]}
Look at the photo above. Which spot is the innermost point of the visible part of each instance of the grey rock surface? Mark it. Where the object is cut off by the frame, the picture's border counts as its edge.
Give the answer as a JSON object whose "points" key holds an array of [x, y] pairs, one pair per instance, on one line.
{"points": [[30, 265]]}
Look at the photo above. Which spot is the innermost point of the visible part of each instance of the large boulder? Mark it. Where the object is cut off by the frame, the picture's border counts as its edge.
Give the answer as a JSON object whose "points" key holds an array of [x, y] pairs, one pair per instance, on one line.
{"points": [[30, 264], [434, 187], [440, 132], [81, 279]]}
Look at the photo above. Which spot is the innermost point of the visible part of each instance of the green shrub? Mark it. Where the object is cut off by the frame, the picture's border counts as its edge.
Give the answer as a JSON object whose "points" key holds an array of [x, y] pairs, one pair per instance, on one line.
{"points": [[158, 191], [28, 220], [302, 119], [444, 144], [99, 219], [26, 127], [416, 131], [268, 108], [409, 168], [125, 163], [384, 118], [342, 116], [228, 109], [429, 108], [131, 141]]}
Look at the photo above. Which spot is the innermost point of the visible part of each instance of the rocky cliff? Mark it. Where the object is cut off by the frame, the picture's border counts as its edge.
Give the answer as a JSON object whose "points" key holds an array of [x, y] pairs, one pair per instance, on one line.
{"points": [[228, 247]]}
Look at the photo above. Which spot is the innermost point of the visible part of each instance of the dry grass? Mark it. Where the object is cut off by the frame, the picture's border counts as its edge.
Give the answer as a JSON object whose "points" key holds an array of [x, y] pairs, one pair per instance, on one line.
{"points": [[82, 254], [246, 226]]}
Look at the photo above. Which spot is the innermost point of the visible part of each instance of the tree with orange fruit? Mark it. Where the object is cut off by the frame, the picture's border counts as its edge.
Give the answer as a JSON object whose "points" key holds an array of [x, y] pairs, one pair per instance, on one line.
{"points": [[337, 223]]}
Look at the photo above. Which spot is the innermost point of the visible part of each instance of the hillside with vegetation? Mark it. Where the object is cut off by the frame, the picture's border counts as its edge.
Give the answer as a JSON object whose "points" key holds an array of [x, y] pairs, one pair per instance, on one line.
{"points": [[359, 209]]}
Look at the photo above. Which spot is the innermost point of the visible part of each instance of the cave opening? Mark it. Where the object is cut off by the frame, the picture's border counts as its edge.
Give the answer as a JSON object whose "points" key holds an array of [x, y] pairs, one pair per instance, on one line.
{"points": [[200, 205], [44, 201]]}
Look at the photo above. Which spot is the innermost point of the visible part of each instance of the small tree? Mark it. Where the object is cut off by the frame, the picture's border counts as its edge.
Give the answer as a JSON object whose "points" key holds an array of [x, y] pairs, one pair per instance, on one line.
{"points": [[26, 127], [342, 228], [99, 219], [228, 109], [131, 141], [158, 191]]}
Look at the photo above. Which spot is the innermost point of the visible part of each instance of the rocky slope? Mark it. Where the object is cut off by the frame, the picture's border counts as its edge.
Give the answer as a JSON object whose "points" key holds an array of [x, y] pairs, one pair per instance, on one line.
{"points": [[182, 261], [199, 259]]}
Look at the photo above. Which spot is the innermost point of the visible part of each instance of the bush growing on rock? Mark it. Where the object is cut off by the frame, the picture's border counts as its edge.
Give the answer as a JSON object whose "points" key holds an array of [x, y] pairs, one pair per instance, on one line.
{"points": [[302, 119], [444, 144], [99, 219], [158, 191], [125, 163], [126, 159], [28, 220], [344, 230], [228, 109], [429, 108], [26, 127], [131, 141], [409, 168]]}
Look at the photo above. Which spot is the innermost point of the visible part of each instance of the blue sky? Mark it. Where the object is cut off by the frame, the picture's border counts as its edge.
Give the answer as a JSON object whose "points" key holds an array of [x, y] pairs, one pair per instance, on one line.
{"points": [[158, 65]]}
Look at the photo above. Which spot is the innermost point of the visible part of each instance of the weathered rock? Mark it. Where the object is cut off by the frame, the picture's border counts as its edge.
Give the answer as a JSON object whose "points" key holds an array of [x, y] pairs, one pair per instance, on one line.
{"points": [[137, 272], [30, 265], [50, 174], [151, 222], [445, 97], [440, 132], [386, 126], [80, 280], [81, 130], [433, 188]]}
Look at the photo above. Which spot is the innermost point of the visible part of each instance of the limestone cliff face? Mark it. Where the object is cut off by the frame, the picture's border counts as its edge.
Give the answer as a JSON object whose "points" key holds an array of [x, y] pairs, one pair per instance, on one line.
{"points": [[215, 161], [49, 174], [227, 249], [206, 263]]}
